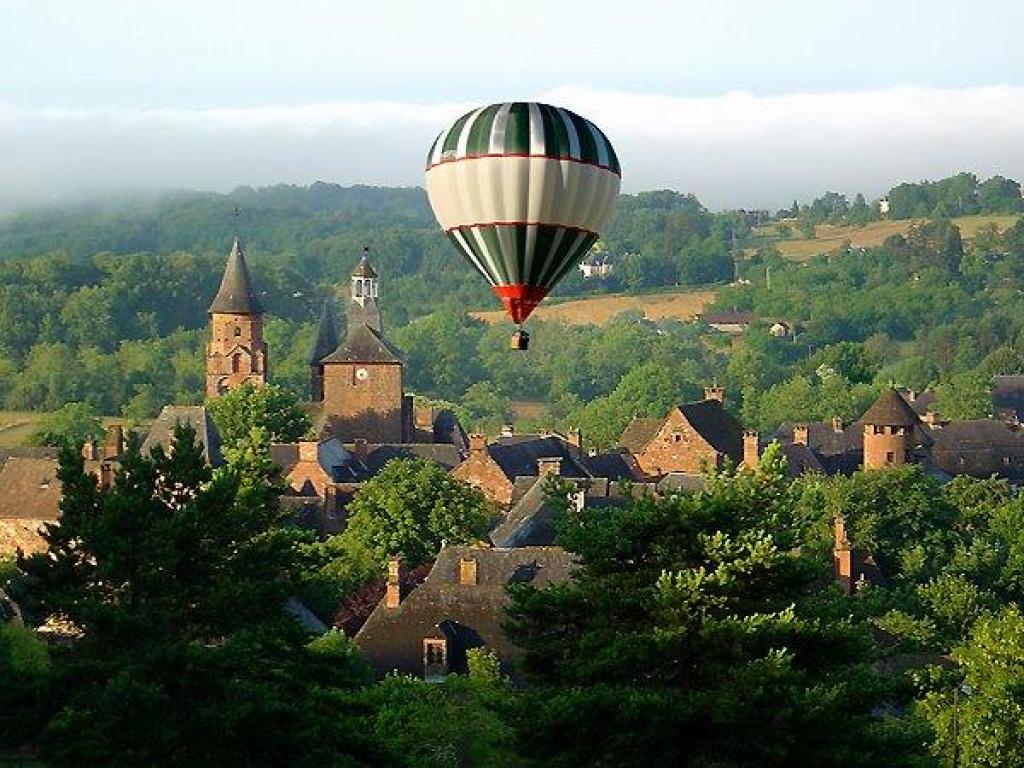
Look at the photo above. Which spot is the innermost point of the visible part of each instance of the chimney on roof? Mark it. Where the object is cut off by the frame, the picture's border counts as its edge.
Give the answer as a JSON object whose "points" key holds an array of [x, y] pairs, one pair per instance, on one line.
{"points": [[360, 449], [591, 451], [467, 570], [751, 449], [911, 395], [842, 556], [113, 442], [837, 424], [477, 443], [549, 465], [545, 432], [91, 449], [575, 437], [800, 434], [106, 475], [308, 450], [393, 590], [578, 499], [933, 419], [507, 430], [714, 392]]}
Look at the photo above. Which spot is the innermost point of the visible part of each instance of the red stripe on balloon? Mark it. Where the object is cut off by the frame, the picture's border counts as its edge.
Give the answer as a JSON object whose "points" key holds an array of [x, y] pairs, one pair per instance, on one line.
{"points": [[520, 300]]}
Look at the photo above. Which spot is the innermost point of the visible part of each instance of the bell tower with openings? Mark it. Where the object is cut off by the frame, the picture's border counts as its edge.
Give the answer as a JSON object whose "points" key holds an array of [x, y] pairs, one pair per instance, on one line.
{"points": [[236, 351]]}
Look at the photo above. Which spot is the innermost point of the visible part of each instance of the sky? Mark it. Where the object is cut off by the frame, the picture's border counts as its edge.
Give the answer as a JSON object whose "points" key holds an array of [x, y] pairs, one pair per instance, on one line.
{"points": [[745, 104]]}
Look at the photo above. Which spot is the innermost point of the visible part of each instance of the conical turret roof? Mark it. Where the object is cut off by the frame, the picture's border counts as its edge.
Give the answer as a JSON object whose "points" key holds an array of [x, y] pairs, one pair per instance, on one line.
{"points": [[236, 295], [890, 410], [326, 335]]}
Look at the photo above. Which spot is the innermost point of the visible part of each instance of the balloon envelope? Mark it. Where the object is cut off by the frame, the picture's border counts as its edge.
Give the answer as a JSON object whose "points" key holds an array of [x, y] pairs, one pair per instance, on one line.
{"points": [[523, 190]]}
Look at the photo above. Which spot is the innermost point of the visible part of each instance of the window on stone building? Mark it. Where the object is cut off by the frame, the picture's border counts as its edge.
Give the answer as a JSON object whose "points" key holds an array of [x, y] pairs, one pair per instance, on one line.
{"points": [[236, 363], [677, 438], [238, 331], [890, 457], [435, 658], [359, 288]]}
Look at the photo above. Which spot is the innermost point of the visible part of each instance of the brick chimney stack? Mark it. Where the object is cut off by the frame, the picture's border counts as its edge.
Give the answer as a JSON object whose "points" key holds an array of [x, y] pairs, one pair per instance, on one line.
{"points": [[714, 392], [106, 475], [308, 450], [477, 443], [837, 424], [842, 555], [91, 449], [933, 419], [751, 449], [467, 570], [549, 465], [575, 437], [508, 430], [113, 442], [393, 591], [800, 434]]}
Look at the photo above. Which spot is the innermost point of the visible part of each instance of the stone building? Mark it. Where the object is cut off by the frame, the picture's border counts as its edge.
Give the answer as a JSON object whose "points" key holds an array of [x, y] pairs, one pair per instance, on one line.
{"points": [[426, 630], [236, 352], [690, 438]]}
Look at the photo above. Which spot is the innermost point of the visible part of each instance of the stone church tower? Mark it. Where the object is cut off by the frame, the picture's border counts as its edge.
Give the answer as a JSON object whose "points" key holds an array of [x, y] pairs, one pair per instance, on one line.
{"points": [[236, 352], [360, 382]]}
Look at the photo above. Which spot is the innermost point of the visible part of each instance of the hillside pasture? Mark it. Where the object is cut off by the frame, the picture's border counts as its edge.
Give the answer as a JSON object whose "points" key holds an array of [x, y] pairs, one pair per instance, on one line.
{"points": [[829, 237], [597, 310]]}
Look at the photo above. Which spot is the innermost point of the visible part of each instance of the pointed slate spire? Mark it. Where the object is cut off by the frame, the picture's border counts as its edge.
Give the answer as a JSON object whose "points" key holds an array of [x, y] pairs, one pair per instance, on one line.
{"points": [[326, 335], [363, 268], [236, 295]]}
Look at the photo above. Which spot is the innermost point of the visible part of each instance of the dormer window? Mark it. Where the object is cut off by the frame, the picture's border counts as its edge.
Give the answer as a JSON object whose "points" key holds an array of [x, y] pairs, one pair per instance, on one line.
{"points": [[238, 331], [435, 659]]}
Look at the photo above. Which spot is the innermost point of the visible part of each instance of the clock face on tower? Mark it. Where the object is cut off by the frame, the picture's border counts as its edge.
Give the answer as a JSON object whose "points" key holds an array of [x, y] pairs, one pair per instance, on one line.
{"points": [[362, 374]]}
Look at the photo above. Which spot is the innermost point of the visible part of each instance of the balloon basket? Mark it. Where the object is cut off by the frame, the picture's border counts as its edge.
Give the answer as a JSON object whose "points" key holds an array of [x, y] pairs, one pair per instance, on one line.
{"points": [[520, 340]]}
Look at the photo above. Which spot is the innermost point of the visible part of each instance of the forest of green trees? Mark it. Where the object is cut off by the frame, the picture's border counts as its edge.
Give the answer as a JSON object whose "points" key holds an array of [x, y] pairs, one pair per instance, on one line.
{"points": [[701, 629], [105, 304]]}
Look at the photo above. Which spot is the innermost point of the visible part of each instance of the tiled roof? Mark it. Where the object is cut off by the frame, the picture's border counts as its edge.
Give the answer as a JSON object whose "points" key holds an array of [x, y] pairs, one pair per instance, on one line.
{"points": [[1008, 395], [29, 489], [162, 431], [236, 295], [716, 425], [326, 334], [639, 433], [21, 534], [392, 638], [364, 345], [517, 455], [980, 448], [890, 410], [614, 465]]}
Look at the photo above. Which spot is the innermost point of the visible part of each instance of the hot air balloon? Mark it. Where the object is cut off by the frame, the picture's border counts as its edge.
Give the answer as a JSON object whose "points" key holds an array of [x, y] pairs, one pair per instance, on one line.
{"points": [[522, 189]]}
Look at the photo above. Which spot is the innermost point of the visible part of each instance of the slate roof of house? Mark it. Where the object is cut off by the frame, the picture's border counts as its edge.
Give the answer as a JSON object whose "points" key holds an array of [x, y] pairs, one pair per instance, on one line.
{"points": [[921, 402], [674, 482], [1008, 395], [236, 295], [29, 489], [800, 460], [162, 431], [392, 638], [517, 455], [364, 345], [618, 464], [890, 410], [639, 433], [326, 334], [377, 455], [716, 425], [980, 448]]}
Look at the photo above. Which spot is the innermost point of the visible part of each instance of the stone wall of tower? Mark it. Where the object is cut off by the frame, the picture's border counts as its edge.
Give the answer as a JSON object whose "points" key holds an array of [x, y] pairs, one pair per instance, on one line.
{"points": [[884, 446], [366, 405], [235, 353]]}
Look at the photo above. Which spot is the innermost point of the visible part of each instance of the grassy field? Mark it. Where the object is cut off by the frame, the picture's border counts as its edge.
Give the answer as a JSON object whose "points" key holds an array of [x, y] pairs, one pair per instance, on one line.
{"points": [[829, 237], [15, 427], [681, 305]]}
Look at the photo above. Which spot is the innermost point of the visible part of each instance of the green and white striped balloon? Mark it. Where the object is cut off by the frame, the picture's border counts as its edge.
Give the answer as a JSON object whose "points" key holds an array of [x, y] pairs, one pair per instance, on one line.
{"points": [[523, 190]]}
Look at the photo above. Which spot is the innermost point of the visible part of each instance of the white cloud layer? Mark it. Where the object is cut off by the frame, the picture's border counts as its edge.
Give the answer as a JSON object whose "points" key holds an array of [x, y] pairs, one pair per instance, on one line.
{"points": [[735, 150]]}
